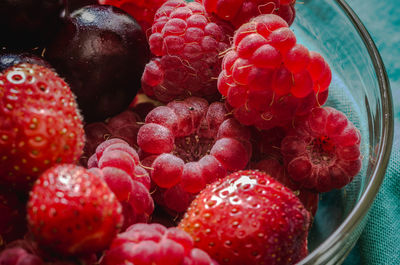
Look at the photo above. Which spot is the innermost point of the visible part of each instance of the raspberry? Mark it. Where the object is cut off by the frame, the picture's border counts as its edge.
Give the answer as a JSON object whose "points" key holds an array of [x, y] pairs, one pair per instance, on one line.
{"points": [[19, 256], [239, 12], [186, 43], [28, 252], [148, 244], [119, 166], [275, 169], [267, 157], [124, 126], [203, 145], [267, 78], [322, 150], [142, 11]]}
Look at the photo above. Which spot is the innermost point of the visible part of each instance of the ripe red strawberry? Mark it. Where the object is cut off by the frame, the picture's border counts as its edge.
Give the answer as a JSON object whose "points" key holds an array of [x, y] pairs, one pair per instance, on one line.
{"points": [[72, 211], [39, 123], [248, 218]]}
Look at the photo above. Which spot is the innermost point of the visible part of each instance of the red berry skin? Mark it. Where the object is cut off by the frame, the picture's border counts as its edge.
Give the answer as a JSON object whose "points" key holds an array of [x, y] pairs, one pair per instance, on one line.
{"points": [[205, 145], [273, 167], [187, 43], [19, 256], [322, 150], [267, 78], [118, 165], [71, 211], [148, 244], [239, 12], [263, 221], [142, 11], [267, 157], [40, 124]]}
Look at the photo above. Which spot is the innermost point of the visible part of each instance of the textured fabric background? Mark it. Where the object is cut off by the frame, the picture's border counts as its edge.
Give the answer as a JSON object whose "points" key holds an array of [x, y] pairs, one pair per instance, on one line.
{"points": [[380, 241]]}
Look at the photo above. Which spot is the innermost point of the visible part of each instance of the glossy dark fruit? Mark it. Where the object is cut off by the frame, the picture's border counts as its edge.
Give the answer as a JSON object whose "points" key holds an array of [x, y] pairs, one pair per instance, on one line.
{"points": [[72, 5], [101, 52], [8, 59], [25, 24]]}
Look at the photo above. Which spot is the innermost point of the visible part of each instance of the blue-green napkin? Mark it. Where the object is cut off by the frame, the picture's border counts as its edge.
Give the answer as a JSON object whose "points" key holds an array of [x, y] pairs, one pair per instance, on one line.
{"points": [[380, 240]]}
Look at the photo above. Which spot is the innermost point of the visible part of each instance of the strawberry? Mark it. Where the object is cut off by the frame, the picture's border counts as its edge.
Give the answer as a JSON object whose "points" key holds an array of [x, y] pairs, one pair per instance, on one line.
{"points": [[248, 218], [39, 124], [72, 211]]}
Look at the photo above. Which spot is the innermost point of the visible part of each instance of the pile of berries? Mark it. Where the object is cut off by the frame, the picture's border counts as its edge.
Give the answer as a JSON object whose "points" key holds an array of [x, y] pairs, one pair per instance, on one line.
{"points": [[168, 132]]}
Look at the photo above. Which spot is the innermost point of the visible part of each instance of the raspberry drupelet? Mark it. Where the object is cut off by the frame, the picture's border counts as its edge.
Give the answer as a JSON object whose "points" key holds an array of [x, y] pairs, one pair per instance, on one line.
{"points": [[239, 12], [267, 78], [148, 244], [267, 157], [322, 150], [186, 43], [190, 144], [118, 164]]}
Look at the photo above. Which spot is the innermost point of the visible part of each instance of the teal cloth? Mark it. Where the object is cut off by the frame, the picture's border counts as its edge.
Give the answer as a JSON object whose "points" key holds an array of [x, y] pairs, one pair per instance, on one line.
{"points": [[380, 240]]}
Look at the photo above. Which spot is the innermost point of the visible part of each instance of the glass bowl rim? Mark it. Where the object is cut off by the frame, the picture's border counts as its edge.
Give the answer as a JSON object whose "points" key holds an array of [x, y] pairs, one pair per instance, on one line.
{"points": [[383, 153]]}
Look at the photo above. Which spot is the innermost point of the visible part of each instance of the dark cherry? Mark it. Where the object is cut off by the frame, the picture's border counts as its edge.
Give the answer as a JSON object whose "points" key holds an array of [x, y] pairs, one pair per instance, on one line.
{"points": [[8, 59], [25, 24], [72, 5], [101, 52]]}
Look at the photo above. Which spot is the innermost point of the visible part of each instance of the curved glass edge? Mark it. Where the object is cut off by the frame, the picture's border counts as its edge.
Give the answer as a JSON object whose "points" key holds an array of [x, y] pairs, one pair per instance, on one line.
{"points": [[326, 253]]}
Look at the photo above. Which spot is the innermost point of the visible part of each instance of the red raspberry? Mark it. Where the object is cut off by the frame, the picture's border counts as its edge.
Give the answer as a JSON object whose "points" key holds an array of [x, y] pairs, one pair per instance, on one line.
{"points": [[148, 244], [28, 252], [40, 124], [267, 144], [195, 144], [119, 166], [322, 151], [187, 44], [141, 10], [248, 218], [274, 168], [19, 256], [239, 12], [267, 78], [267, 157], [72, 211], [124, 126]]}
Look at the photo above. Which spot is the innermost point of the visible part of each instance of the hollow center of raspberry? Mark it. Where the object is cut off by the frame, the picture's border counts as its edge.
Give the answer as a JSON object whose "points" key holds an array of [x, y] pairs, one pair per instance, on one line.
{"points": [[322, 150], [192, 148]]}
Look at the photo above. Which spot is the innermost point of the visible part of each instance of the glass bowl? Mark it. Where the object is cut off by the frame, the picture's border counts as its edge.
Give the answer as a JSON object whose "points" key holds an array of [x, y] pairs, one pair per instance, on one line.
{"points": [[360, 89]]}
